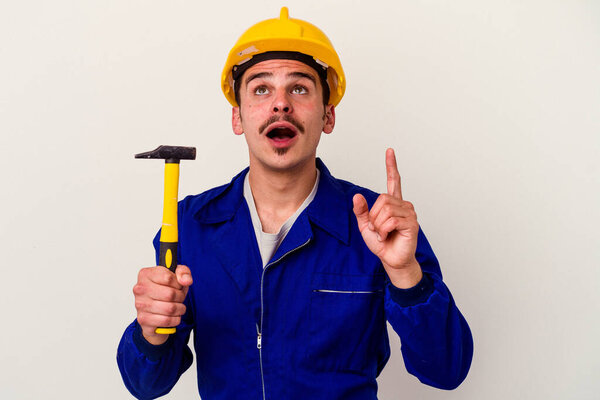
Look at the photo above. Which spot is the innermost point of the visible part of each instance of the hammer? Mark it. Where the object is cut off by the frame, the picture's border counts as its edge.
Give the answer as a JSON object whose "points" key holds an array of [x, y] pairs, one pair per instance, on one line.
{"points": [[167, 255]]}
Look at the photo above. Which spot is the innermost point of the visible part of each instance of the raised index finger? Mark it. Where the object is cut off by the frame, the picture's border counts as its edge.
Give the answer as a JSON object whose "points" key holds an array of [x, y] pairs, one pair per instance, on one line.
{"points": [[394, 187]]}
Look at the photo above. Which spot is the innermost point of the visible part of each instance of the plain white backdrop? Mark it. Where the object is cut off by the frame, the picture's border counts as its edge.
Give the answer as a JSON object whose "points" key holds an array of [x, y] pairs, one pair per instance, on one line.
{"points": [[493, 108]]}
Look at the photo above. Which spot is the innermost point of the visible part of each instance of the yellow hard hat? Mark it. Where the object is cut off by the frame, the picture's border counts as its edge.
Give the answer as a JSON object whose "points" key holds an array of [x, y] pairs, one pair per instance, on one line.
{"points": [[285, 34]]}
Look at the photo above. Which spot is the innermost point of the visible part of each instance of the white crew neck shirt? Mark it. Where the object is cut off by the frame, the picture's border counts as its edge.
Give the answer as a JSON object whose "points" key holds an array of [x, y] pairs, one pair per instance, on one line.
{"points": [[269, 242]]}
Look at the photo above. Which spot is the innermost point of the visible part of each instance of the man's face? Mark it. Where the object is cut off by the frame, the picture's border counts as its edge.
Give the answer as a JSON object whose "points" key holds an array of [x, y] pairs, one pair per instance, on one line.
{"points": [[282, 114]]}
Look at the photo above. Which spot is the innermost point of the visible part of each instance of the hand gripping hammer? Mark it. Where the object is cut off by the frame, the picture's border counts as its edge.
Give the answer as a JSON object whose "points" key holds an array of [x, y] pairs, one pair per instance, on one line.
{"points": [[168, 234]]}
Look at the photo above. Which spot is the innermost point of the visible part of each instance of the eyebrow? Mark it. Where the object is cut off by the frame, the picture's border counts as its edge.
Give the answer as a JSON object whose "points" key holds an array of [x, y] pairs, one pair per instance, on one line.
{"points": [[303, 75], [258, 75], [296, 74]]}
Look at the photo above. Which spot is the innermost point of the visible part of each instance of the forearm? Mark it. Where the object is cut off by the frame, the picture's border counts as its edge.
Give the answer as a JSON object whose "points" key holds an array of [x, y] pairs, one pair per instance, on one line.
{"points": [[437, 345]]}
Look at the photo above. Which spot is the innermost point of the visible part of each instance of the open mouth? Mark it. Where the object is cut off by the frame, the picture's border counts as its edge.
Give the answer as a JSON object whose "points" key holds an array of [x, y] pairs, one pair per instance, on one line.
{"points": [[281, 134]]}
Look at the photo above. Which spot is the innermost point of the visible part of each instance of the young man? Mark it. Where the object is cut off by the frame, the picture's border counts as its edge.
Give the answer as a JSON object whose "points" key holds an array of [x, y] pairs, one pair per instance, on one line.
{"points": [[294, 272]]}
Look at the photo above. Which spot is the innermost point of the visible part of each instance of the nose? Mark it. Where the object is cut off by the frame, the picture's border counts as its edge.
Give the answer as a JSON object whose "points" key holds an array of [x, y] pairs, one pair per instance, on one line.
{"points": [[281, 103]]}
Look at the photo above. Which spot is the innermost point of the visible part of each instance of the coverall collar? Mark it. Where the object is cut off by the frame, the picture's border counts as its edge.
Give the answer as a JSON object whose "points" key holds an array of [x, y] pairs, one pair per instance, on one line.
{"points": [[329, 210]]}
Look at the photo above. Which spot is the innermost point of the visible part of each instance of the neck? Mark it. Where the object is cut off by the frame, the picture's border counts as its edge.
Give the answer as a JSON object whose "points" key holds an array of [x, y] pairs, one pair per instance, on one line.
{"points": [[279, 193]]}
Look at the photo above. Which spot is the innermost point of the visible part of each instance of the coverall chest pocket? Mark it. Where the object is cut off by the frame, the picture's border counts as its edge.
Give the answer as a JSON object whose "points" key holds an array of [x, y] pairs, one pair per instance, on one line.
{"points": [[346, 321]]}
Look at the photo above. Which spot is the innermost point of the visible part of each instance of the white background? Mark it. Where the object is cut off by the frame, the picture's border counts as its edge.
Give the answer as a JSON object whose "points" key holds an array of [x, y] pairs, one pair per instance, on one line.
{"points": [[493, 109]]}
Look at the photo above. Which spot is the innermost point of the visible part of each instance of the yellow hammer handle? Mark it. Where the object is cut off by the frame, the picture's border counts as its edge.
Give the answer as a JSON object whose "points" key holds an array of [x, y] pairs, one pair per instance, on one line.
{"points": [[169, 232]]}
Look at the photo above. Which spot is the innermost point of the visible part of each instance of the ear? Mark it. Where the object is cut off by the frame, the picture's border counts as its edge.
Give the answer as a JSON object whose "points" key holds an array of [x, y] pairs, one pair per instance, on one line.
{"points": [[329, 119], [236, 121]]}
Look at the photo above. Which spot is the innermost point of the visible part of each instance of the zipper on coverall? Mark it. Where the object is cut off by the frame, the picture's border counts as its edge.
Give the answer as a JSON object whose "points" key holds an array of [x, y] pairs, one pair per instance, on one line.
{"points": [[259, 328]]}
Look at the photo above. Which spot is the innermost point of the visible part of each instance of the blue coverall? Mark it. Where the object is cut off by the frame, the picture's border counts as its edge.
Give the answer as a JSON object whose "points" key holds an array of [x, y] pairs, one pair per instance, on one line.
{"points": [[311, 324]]}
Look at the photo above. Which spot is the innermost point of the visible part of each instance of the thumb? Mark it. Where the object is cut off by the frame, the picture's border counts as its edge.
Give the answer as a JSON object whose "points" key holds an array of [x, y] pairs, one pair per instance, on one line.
{"points": [[361, 210], [184, 275]]}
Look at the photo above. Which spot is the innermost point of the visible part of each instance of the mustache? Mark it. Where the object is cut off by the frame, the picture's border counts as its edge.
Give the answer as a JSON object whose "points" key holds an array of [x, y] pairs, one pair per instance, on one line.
{"points": [[276, 118]]}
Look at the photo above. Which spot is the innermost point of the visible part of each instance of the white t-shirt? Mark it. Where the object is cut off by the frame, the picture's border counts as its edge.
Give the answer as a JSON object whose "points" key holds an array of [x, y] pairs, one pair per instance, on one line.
{"points": [[269, 242]]}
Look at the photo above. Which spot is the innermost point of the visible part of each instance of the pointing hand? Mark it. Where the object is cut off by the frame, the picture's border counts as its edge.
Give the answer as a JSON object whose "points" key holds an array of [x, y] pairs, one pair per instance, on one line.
{"points": [[390, 229]]}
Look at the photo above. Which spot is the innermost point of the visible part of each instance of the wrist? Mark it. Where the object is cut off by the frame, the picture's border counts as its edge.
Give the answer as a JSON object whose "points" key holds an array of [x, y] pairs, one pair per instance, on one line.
{"points": [[153, 352], [405, 277], [154, 339]]}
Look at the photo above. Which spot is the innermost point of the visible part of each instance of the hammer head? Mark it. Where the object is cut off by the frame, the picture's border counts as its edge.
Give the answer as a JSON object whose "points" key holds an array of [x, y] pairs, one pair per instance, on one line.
{"points": [[170, 153]]}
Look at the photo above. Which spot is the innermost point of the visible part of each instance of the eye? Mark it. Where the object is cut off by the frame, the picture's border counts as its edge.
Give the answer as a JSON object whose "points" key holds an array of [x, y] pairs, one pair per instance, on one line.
{"points": [[299, 90], [261, 90]]}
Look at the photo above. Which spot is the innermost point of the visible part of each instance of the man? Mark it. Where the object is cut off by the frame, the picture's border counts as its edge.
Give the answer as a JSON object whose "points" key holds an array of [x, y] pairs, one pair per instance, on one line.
{"points": [[294, 272]]}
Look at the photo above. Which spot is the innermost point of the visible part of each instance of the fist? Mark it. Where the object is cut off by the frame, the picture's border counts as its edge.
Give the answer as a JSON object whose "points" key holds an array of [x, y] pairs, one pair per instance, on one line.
{"points": [[159, 295]]}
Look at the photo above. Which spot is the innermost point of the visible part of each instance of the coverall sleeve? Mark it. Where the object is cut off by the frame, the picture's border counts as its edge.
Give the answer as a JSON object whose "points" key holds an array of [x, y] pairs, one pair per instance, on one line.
{"points": [[437, 345], [150, 371]]}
